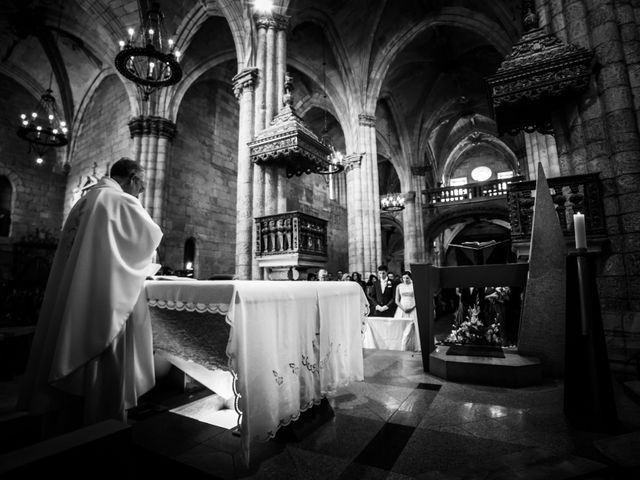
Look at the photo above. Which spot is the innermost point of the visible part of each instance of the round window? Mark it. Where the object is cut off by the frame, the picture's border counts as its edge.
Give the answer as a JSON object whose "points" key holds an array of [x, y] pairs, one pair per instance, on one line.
{"points": [[480, 174]]}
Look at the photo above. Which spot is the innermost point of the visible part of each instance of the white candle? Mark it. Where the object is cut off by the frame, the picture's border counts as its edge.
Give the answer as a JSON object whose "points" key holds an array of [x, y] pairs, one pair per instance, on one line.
{"points": [[579, 229]]}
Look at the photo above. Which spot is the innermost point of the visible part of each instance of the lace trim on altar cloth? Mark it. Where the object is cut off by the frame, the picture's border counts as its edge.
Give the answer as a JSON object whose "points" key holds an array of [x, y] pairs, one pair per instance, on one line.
{"points": [[315, 401], [363, 317], [292, 418], [221, 308]]}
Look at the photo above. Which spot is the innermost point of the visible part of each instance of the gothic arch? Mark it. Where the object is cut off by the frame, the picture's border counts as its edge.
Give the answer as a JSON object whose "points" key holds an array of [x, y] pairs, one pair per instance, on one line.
{"points": [[456, 17], [440, 221]]}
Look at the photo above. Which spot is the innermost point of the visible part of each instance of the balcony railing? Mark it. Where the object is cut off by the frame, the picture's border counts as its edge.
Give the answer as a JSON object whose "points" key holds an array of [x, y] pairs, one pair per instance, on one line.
{"points": [[571, 194], [291, 233], [471, 191]]}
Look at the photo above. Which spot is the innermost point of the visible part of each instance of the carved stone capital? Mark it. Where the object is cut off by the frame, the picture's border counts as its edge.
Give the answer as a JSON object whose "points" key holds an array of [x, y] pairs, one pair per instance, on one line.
{"points": [[367, 120], [419, 171], [352, 161], [144, 126], [280, 22], [271, 20], [263, 20], [245, 80]]}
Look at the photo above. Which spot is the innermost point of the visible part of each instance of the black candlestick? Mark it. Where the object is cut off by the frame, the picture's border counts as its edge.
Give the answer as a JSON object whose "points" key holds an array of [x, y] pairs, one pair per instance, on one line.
{"points": [[589, 402]]}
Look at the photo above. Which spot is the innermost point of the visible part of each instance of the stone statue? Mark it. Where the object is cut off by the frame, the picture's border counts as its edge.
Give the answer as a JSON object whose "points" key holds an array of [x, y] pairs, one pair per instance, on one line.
{"points": [[272, 236], [287, 234], [265, 236], [280, 235]]}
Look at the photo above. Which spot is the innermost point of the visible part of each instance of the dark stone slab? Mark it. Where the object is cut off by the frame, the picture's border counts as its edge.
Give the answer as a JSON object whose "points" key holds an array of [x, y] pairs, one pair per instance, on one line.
{"points": [[476, 350]]}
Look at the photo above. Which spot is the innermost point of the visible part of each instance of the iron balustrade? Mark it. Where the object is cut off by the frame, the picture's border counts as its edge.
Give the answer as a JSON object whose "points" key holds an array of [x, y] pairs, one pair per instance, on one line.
{"points": [[571, 194], [470, 191]]}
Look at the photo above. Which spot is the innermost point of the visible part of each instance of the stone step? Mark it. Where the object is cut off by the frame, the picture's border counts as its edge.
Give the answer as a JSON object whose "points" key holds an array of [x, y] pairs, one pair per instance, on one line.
{"points": [[514, 370], [102, 449]]}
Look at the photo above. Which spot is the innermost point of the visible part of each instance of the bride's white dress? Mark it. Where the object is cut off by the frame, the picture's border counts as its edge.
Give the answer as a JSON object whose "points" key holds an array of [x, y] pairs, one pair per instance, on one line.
{"points": [[410, 338]]}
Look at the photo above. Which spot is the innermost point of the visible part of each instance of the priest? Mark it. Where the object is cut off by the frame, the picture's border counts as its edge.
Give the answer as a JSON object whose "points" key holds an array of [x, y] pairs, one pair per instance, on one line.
{"points": [[92, 353]]}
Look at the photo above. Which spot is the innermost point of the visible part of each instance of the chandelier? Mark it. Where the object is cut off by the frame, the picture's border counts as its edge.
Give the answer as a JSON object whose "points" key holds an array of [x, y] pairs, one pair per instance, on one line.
{"points": [[43, 128], [334, 163], [335, 160], [392, 202], [148, 58]]}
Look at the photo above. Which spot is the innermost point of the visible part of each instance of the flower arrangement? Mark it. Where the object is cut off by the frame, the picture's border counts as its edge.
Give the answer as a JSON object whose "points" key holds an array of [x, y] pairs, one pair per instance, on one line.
{"points": [[473, 331]]}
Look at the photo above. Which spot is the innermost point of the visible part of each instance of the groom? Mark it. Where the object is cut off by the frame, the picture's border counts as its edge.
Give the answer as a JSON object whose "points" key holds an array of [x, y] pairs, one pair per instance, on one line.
{"points": [[383, 300]]}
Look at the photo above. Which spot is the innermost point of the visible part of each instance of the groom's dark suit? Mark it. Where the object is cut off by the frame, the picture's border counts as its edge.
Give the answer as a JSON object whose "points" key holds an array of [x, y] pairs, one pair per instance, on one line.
{"points": [[386, 297]]}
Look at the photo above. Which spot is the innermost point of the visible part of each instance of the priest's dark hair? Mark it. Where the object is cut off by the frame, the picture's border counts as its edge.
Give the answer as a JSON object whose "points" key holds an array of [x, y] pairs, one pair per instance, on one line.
{"points": [[124, 167]]}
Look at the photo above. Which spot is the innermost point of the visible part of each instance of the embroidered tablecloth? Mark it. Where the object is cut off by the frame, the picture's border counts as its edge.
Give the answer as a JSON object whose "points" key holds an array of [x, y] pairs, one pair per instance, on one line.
{"points": [[290, 343]]}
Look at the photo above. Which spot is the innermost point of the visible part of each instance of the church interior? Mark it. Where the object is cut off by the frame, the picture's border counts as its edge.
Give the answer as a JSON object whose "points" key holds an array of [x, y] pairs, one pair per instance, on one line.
{"points": [[281, 138]]}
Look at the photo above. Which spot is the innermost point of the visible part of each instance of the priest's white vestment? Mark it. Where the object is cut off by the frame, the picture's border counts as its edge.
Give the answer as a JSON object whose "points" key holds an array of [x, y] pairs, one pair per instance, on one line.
{"points": [[93, 338]]}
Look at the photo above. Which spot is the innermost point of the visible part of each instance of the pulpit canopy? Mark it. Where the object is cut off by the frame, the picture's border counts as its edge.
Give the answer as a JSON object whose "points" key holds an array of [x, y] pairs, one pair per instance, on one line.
{"points": [[289, 143], [539, 75]]}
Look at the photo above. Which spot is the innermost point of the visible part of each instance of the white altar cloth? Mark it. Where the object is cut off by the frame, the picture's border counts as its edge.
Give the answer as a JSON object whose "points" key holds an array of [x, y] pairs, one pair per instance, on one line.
{"points": [[388, 333], [289, 345]]}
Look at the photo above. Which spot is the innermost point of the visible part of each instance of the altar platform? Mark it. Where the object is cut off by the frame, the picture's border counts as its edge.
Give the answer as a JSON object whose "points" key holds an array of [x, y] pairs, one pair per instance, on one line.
{"points": [[507, 369], [400, 423]]}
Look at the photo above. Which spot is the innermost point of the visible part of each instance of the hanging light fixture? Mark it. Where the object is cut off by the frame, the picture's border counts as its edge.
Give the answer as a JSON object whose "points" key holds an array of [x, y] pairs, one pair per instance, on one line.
{"points": [[392, 202], [42, 127], [148, 58], [334, 163]]}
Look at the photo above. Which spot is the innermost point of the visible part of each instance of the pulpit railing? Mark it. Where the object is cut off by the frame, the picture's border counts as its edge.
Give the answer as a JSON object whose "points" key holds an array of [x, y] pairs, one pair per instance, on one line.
{"points": [[571, 194], [291, 233]]}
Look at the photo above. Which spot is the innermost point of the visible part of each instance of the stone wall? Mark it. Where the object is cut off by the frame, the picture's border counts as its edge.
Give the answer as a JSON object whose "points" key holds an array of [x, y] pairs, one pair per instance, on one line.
{"points": [[102, 137], [201, 181], [600, 134]]}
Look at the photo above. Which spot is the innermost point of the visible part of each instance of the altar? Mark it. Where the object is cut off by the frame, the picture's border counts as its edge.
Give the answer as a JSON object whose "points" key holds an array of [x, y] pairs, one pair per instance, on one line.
{"points": [[286, 344]]}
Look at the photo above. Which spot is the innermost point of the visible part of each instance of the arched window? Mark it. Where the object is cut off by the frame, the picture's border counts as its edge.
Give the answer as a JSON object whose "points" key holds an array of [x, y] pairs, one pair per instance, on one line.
{"points": [[6, 192], [189, 256]]}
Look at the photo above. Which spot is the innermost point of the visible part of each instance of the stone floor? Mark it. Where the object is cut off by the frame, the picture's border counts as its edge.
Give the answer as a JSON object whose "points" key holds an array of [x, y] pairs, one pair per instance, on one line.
{"points": [[403, 423], [399, 423]]}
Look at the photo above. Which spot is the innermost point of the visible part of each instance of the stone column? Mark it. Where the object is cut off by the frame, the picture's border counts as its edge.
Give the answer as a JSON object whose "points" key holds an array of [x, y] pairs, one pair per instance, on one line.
{"points": [[353, 172], [243, 85], [281, 25], [608, 112], [275, 67], [619, 122], [409, 227], [568, 135], [259, 125], [631, 46], [154, 135], [270, 173], [419, 184], [372, 238], [541, 148]]}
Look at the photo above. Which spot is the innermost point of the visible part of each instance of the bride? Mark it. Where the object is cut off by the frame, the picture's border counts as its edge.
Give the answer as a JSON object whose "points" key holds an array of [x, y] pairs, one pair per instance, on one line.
{"points": [[406, 301]]}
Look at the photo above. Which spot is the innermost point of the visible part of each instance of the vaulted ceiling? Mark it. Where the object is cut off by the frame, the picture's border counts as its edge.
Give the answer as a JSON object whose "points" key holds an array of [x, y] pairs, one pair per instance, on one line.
{"points": [[418, 65]]}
